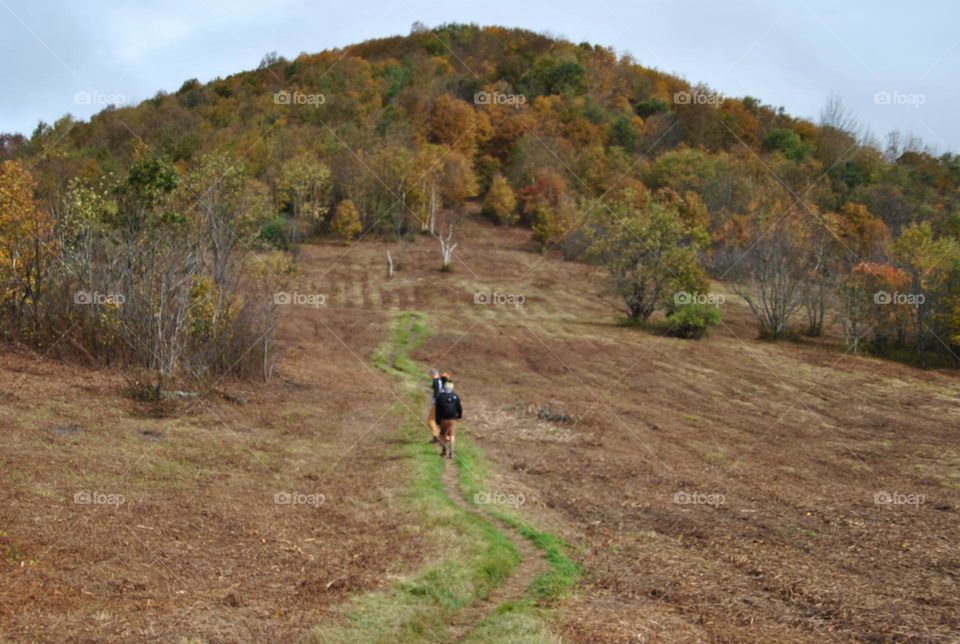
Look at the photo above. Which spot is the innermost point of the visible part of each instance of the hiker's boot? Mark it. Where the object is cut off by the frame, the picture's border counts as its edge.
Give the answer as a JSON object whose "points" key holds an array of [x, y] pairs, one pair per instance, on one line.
{"points": [[450, 453]]}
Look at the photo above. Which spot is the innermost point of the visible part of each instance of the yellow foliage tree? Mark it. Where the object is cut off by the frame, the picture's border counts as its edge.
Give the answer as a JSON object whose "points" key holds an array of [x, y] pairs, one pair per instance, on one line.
{"points": [[453, 124], [501, 204], [26, 238], [346, 220]]}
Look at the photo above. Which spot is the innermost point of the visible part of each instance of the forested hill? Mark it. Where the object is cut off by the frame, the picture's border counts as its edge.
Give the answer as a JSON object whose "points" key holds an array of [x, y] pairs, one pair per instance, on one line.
{"points": [[376, 136], [586, 114]]}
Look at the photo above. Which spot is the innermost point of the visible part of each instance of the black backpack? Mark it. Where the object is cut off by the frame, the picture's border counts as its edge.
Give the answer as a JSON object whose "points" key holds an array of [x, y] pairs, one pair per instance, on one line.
{"points": [[447, 405]]}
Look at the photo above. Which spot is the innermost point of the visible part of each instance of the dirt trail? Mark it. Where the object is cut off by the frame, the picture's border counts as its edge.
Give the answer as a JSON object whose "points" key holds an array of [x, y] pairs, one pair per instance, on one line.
{"points": [[531, 566]]}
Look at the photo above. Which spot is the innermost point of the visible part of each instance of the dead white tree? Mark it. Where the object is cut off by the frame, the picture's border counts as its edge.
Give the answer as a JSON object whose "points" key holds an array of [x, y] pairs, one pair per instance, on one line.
{"points": [[389, 265], [447, 246]]}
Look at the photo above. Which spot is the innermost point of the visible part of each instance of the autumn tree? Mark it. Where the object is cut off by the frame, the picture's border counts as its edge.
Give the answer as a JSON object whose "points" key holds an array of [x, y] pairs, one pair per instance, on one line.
{"points": [[548, 207], [27, 242], [346, 221], [772, 269], [500, 203], [848, 251], [230, 209], [303, 188], [458, 182], [453, 125], [929, 261], [648, 253], [862, 309]]}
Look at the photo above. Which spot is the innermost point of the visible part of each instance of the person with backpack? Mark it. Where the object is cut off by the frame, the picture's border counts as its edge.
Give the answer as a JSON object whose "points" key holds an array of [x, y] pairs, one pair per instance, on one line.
{"points": [[439, 379], [449, 411]]}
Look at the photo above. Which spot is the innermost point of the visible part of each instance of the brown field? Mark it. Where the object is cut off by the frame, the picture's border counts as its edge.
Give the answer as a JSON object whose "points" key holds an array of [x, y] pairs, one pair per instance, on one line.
{"points": [[606, 430]]}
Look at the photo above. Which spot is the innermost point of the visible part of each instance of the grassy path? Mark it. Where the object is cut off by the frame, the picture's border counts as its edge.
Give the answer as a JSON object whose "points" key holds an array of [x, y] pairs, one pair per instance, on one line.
{"points": [[493, 571], [505, 598]]}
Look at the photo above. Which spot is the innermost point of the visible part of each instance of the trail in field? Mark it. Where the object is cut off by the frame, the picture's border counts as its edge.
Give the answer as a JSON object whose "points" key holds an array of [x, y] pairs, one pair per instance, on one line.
{"points": [[531, 566]]}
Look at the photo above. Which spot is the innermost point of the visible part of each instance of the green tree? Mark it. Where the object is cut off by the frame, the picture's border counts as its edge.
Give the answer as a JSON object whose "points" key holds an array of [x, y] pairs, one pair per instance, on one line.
{"points": [[649, 254], [929, 262]]}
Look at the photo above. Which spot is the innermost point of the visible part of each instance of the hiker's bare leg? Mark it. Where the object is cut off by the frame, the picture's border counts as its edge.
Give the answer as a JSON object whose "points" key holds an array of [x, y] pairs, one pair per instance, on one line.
{"points": [[432, 423], [449, 430]]}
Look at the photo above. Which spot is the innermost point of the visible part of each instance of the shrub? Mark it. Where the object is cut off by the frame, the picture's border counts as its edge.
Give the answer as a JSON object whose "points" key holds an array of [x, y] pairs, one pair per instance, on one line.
{"points": [[692, 320], [788, 142], [274, 232]]}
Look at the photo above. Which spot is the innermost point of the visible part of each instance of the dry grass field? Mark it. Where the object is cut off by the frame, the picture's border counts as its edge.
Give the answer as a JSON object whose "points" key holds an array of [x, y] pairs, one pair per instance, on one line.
{"points": [[726, 489]]}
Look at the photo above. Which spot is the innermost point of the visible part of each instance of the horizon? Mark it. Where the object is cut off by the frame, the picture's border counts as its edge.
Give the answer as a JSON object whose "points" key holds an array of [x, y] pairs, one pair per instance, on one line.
{"points": [[790, 54]]}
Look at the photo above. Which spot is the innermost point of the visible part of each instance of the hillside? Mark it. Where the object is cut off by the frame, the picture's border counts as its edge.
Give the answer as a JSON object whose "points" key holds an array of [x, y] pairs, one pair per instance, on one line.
{"points": [[707, 353], [793, 442], [567, 139]]}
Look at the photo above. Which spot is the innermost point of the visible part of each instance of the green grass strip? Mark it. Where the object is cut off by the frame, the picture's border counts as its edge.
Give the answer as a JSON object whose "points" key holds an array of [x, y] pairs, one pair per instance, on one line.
{"points": [[564, 572], [475, 555]]}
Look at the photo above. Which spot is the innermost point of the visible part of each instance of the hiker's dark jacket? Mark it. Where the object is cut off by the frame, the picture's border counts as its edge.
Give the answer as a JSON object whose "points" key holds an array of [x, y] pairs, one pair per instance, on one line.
{"points": [[448, 407]]}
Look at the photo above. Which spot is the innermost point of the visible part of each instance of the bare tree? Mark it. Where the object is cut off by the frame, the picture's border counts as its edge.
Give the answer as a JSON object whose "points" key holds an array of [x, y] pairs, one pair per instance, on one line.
{"points": [[447, 246], [773, 273], [229, 208], [836, 115]]}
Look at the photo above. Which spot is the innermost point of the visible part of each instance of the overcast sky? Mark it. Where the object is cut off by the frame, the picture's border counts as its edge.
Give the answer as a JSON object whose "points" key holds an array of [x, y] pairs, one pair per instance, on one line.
{"points": [[894, 63]]}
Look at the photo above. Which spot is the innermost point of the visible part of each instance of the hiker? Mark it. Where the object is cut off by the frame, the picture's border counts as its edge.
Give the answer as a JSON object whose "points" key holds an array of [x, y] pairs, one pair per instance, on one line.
{"points": [[439, 379], [449, 412]]}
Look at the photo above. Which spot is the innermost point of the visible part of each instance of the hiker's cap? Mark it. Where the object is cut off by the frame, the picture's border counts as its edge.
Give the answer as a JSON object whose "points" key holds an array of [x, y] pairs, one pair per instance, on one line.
{"points": [[448, 386]]}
